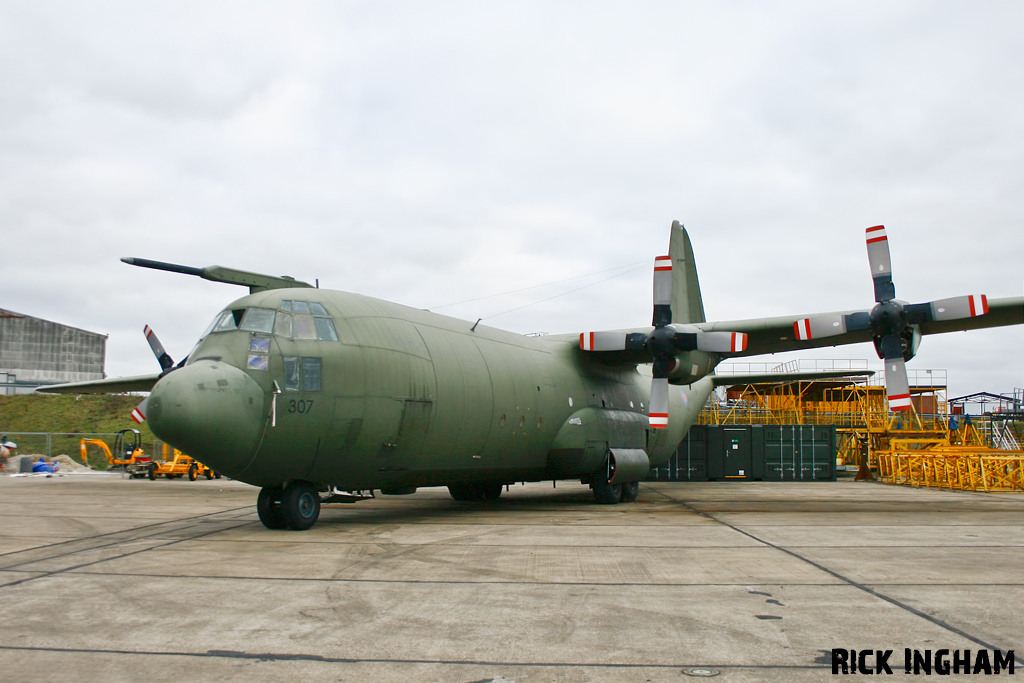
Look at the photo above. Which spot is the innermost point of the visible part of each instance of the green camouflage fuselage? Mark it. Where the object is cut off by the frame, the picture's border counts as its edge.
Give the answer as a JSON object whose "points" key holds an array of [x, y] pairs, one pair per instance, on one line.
{"points": [[402, 398]]}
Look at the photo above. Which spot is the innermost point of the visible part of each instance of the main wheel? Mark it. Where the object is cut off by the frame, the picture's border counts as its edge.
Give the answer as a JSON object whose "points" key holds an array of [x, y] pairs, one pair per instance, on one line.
{"points": [[604, 492], [490, 490], [268, 507], [630, 491], [152, 472], [463, 492], [192, 472], [300, 505]]}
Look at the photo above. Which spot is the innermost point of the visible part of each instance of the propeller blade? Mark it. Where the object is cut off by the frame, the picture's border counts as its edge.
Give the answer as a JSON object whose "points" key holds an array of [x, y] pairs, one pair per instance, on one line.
{"points": [[139, 414], [612, 341], [881, 266], [662, 291], [158, 349], [658, 415], [897, 386], [959, 307], [820, 326], [713, 342]]}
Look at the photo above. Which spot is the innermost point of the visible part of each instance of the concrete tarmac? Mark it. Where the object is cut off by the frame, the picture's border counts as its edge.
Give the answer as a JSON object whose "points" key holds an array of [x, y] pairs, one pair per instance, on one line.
{"points": [[109, 579]]}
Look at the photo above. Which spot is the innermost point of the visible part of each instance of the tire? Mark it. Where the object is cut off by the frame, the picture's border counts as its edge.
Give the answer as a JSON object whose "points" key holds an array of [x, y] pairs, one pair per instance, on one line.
{"points": [[490, 490], [209, 475], [170, 476], [192, 473], [463, 492], [152, 472], [268, 507], [604, 492], [300, 505], [630, 491], [216, 476]]}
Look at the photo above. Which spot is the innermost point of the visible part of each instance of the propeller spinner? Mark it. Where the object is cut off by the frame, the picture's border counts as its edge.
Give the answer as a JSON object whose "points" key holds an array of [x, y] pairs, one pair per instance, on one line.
{"points": [[891, 321]]}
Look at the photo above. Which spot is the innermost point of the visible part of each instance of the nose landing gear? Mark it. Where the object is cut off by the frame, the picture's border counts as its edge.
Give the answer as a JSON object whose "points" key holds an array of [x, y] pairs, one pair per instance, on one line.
{"points": [[295, 507]]}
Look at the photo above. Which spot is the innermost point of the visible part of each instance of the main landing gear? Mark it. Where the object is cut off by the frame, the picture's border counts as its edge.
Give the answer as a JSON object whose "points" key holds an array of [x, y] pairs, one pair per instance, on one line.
{"points": [[295, 507], [486, 491], [606, 493]]}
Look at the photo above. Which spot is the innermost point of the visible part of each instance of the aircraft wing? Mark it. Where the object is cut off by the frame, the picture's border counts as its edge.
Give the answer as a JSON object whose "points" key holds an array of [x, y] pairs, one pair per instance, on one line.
{"points": [[774, 335], [115, 385]]}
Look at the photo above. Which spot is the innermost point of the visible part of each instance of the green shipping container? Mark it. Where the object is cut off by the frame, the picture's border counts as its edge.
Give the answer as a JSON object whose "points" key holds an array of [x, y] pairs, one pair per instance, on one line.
{"points": [[752, 453]]}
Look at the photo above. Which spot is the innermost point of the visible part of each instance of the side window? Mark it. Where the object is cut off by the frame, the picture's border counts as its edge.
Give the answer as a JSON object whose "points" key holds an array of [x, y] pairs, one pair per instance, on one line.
{"points": [[311, 368], [259, 347], [291, 373], [303, 374]]}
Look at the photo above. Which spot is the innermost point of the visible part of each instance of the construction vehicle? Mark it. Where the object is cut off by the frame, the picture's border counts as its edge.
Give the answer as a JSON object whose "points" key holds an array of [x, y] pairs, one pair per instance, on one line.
{"points": [[179, 466], [198, 469], [175, 468], [127, 454]]}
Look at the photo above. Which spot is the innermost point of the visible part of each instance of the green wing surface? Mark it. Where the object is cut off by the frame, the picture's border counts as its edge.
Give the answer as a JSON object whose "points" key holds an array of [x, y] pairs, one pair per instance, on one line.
{"points": [[116, 385], [774, 335]]}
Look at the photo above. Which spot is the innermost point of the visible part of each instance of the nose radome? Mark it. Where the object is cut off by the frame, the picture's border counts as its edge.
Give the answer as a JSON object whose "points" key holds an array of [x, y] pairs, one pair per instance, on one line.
{"points": [[211, 411]]}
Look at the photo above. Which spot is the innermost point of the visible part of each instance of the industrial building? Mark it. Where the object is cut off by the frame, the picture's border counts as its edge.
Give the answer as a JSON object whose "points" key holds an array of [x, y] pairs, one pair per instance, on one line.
{"points": [[35, 352]]}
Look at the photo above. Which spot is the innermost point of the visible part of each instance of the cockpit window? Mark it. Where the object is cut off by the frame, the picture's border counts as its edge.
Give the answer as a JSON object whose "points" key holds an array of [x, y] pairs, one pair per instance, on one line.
{"points": [[258, 320], [303, 327], [283, 324], [325, 329], [225, 321], [304, 320]]}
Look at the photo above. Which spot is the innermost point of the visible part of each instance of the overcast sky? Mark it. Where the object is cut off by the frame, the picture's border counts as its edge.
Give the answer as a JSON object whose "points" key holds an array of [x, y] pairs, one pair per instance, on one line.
{"points": [[428, 153]]}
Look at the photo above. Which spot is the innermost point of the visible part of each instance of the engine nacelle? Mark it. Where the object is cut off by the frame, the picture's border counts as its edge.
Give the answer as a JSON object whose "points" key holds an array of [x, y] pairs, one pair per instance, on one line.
{"points": [[690, 366], [910, 339]]}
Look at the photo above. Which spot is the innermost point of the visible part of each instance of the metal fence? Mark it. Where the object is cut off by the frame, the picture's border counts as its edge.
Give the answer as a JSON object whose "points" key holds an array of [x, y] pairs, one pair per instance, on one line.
{"points": [[69, 443]]}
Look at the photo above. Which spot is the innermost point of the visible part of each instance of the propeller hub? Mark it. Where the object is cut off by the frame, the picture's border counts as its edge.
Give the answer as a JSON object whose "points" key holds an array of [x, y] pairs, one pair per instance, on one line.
{"points": [[659, 342], [888, 317]]}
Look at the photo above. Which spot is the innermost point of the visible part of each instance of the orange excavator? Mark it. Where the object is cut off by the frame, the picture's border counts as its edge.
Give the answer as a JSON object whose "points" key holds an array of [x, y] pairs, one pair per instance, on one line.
{"points": [[126, 455]]}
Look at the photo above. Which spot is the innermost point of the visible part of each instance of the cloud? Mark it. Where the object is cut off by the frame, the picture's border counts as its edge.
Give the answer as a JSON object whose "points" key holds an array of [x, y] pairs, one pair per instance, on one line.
{"points": [[428, 153]]}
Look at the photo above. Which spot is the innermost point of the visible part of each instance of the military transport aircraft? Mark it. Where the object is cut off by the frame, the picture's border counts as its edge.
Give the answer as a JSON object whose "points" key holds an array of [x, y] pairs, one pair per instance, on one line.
{"points": [[310, 393]]}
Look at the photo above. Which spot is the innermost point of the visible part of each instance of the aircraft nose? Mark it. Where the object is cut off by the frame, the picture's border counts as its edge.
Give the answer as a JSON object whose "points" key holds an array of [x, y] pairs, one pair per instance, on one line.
{"points": [[211, 411]]}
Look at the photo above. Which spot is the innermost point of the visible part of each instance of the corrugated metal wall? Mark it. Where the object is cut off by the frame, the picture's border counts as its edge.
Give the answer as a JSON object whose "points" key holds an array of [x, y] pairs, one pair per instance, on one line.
{"points": [[34, 351]]}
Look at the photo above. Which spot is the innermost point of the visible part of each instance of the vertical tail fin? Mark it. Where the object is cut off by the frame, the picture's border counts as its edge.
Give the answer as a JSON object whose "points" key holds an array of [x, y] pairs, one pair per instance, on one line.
{"points": [[687, 306]]}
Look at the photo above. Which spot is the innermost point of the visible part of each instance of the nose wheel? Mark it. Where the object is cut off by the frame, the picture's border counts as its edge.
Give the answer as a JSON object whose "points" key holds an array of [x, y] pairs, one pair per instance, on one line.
{"points": [[295, 507]]}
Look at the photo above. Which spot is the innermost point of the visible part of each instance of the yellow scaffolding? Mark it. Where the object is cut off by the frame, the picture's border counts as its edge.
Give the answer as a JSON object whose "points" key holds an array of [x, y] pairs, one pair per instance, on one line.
{"points": [[919, 447], [858, 408], [938, 463]]}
